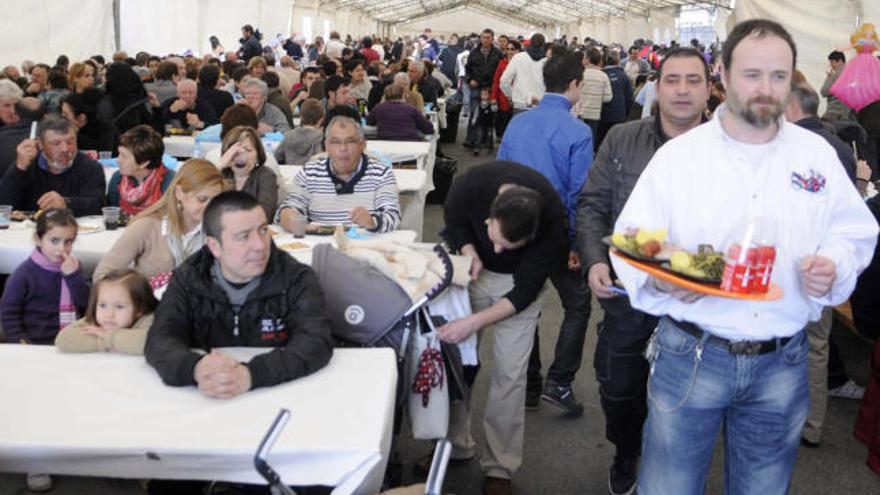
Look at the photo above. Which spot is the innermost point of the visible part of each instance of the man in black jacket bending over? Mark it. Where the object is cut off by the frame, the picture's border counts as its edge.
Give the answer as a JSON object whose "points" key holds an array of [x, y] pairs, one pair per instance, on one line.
{"points": [[510, 220], [239, 291]]}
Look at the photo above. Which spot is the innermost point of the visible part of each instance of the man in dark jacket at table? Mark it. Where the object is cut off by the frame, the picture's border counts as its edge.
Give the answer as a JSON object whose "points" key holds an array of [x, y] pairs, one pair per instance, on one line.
{"points": [[49, 172], [238, 291]]}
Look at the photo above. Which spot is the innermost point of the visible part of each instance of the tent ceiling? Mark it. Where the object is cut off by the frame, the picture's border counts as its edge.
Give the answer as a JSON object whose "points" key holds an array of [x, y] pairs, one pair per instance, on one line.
{"points": [[531, 12]]}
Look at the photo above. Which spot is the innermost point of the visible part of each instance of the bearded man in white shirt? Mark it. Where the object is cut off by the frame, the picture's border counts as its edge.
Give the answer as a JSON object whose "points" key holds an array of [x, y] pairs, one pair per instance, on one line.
{"points": [[738, 366]]}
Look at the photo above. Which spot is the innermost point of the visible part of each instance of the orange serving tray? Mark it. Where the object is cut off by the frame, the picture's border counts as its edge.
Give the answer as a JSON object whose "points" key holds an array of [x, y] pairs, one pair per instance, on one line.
{"points": [[773, 293]]}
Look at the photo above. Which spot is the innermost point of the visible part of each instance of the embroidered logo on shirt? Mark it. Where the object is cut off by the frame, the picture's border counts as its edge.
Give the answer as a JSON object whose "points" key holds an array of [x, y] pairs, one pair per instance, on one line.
{"points": [[272, 329], [813, 182]]}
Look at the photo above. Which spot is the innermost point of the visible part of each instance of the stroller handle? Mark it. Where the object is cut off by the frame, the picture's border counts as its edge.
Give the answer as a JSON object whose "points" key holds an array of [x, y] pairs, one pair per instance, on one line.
{"points": [[260, 462]]}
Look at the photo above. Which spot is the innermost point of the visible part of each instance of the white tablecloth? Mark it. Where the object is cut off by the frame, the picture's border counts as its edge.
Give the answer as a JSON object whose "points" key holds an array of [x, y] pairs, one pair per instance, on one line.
{"points": [[16, 244], [110, 415]]}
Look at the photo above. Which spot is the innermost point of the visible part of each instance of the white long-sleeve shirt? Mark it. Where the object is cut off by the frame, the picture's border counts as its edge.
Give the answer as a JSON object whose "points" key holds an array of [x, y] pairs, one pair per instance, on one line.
{"points": [[703, 186], [523, 79]]}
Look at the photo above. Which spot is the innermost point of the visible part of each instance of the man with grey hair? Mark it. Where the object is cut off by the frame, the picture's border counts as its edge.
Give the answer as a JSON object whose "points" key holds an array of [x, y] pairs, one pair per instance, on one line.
{"points": [[10, 94], [345, 186], [49, 172], [422, 82], [256, 92], [802, 108], [188, 110]]}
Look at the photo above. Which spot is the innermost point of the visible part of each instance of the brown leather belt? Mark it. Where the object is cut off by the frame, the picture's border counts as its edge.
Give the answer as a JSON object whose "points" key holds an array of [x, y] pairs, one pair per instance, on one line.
{"points": [[735, 347]]}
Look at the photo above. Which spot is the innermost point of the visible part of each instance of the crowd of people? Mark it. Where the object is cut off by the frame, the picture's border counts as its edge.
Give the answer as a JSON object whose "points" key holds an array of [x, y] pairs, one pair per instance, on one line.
{"points": [[592, 139]]}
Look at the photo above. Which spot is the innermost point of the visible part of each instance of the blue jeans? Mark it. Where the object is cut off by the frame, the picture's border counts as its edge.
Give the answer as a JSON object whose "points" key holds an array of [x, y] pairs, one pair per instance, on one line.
{"points": [[695, 389]]}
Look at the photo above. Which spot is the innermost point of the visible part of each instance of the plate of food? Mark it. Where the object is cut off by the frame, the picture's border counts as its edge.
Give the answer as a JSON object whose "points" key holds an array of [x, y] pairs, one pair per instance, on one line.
{"points": [[21, 216], [294, 246], [706, 265], [90, 225], [321, 229], [641, 244], [709, 289]]}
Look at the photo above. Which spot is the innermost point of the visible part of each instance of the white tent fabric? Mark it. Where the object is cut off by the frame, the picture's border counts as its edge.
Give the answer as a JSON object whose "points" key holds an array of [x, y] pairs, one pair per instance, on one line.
{"points": [[817, 26], [464, 20], [40, 30], [172, 26]]}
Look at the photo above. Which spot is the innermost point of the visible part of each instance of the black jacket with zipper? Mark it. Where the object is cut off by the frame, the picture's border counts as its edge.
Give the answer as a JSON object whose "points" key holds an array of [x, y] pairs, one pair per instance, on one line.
{"points": [[286, 311]]}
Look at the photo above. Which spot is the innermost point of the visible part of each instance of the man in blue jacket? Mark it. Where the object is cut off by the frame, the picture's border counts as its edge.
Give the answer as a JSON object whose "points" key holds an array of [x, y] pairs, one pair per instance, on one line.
{"points": [[559, 146]]}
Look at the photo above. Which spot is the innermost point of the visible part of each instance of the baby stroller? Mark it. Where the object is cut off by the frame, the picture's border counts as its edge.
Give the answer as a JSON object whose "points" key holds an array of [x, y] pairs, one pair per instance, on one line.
{"points": [[367, 308]]}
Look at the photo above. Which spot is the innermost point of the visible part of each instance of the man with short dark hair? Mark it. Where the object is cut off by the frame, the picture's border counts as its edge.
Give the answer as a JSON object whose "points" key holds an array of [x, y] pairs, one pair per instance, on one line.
{"points": [[596, 92], [621, 369], [729, 366], [337, 92], [635, 66], [164, 84], [509, 219], [834, 108], [559, 146], [239, 290], [250, 44], [49, 173], [479, 71]]}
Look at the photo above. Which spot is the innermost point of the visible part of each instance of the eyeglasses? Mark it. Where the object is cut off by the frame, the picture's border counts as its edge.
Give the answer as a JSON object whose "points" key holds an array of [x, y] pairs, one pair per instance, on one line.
{"points": [[343, 143]]}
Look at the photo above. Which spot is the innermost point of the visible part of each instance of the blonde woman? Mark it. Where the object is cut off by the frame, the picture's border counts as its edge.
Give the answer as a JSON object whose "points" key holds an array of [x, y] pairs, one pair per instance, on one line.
{"points": [[161, 237]]}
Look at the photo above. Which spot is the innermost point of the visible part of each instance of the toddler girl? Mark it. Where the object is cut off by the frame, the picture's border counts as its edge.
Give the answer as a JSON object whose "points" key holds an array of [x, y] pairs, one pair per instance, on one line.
{"points": [[119, 314]]}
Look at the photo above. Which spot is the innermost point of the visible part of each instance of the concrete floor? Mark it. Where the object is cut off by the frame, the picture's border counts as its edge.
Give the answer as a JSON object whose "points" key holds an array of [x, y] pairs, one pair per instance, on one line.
{"points": [[571, 455]]}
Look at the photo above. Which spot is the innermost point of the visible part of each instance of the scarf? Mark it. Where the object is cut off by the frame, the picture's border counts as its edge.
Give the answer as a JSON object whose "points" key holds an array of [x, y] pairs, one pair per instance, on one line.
{"points": [[134, 198], [66, 309]]}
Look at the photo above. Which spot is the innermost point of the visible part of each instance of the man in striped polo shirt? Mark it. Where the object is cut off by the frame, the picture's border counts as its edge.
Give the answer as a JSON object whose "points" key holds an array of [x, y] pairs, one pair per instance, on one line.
{"points": [[344, 187]]}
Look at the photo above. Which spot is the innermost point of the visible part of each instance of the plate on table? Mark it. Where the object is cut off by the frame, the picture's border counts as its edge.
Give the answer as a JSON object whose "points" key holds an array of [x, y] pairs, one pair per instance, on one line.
{"points": [[21, 216], [320, 229], [90, 225], [664, 255], [707, 289], [294, 246]]}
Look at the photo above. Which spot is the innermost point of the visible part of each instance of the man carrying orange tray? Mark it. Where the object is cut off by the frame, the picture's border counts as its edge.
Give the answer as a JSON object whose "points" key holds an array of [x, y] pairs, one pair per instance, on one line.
{"points": [[739, 366]]}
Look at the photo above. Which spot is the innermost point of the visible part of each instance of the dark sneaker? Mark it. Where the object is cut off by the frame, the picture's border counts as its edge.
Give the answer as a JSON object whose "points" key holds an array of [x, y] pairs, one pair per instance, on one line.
{"points": [[533, 400], [496, 486], [562, 396], [622, 477]]}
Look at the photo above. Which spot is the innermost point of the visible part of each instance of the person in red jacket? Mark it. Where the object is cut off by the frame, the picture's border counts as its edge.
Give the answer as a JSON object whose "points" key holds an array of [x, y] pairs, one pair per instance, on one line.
{"points": [[505, 106]]}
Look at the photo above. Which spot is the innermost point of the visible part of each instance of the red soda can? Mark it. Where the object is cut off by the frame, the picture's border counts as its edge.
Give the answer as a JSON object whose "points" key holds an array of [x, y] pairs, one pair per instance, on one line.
{"points": [[738, 274], [763, 268]]}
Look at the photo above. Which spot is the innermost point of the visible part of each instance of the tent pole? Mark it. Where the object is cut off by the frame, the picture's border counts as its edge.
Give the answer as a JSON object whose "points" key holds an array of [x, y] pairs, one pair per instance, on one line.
{"points": [[117, 36]]}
